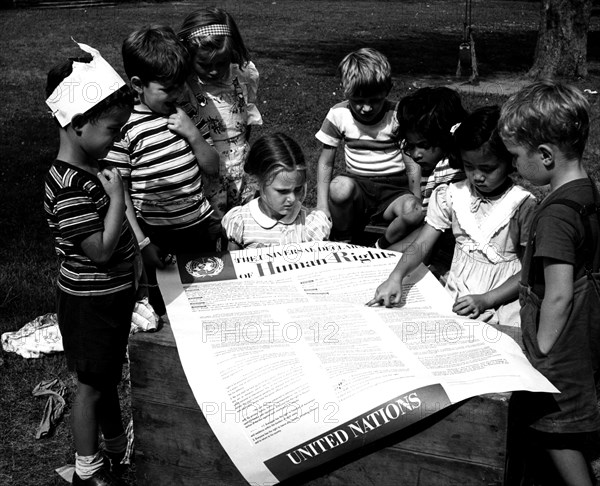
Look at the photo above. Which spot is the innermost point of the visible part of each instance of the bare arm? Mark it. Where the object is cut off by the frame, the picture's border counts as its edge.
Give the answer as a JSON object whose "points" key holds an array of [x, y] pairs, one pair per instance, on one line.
{"points": [[389, 293], [557, 303], [413, 172], [151, 253], [207, 156], [474, 305], [232, 246], [100, 246], [324, 173]]}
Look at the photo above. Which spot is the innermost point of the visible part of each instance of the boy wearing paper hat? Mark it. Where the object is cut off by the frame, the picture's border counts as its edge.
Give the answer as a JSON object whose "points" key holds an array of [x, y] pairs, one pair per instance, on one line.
{"points": [[99, 258]]}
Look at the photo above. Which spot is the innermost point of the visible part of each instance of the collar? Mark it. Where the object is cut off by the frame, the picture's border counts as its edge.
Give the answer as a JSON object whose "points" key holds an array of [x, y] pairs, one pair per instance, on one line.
{"points": [[480, 197], [266, 221]]}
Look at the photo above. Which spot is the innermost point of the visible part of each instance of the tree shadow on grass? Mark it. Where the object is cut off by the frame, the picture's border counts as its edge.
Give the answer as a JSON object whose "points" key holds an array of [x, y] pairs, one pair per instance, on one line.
{"points": [[414, 53]]}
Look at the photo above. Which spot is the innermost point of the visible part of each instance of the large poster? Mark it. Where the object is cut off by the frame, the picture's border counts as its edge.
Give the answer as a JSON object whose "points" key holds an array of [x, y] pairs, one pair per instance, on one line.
{"points": [[291, 369]]}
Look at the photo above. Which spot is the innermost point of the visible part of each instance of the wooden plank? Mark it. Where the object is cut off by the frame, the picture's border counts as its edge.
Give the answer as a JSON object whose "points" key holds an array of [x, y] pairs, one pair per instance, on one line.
{"points": [[463, 444], [176, 446], [156, 371]]}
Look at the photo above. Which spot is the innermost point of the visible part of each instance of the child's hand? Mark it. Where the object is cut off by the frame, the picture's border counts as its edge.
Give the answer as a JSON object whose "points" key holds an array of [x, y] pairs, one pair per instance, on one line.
{"points": [[153, 256], [471, 305], [111, 181], [389, 293], [180, 123]]}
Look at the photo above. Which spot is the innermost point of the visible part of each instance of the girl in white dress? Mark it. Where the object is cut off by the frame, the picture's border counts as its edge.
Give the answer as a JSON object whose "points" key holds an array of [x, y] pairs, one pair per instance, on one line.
{"points": [[489, 216], [277, 216]]}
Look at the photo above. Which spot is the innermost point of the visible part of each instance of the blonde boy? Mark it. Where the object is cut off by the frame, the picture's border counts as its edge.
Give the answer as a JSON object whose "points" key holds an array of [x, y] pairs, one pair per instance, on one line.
{"points": [[375, 186], [545, 126]]}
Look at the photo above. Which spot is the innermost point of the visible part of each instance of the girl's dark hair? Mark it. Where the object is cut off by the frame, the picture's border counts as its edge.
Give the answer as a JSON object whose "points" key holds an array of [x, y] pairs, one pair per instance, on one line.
{"points": [[479, 129], [122, 98], [431, 113], [271, 154], [232, 47]]}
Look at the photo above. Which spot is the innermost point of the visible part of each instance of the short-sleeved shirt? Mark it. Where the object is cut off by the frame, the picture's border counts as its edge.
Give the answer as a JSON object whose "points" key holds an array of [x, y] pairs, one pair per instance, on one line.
{"points": [[442, 174], [228, 106], [249, 227], [559, 235], [76, 204], [370, 150], [161, 171]]}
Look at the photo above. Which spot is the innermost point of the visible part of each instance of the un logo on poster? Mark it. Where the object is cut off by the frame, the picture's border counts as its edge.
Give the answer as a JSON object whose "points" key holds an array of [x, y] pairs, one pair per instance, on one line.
{"points": [[204, 267]]}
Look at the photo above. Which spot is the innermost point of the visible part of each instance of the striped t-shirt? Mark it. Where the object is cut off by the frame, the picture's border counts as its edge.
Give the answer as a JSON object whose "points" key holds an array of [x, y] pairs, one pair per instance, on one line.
{"points": [[442, 174], [370, 150], [76, 204], [161, 171]]}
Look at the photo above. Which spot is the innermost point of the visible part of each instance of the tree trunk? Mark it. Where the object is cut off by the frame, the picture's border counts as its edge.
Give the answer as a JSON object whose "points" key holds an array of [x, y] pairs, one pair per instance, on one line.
{"points": [[561, 48]]}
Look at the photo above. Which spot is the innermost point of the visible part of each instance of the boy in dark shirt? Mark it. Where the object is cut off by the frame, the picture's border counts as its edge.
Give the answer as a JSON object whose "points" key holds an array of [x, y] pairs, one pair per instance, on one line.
{"points": [[545, 126]]}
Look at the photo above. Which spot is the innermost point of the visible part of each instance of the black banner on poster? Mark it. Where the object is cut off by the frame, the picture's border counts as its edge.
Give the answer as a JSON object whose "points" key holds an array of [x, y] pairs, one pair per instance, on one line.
{"points": [[379, 422]]}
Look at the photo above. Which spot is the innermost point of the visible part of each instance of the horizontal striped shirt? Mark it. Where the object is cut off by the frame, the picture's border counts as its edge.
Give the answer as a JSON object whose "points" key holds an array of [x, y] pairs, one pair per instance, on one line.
{"points": [[249, 227], [442, 174], [161, 171], [370, 150], [76, 204]]}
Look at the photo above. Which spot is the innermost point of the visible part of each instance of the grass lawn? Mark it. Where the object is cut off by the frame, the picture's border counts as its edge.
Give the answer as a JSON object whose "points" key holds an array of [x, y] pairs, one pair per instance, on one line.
{"points": [[296, 46]]}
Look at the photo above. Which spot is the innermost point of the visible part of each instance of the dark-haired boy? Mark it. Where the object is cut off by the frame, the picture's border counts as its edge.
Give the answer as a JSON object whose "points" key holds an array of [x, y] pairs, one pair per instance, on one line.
{"points": [[162, 155], [99, 258]]}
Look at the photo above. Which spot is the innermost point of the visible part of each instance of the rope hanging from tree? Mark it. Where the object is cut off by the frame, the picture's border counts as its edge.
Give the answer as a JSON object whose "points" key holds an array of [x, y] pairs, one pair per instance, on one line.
{"points": [[466, 50]]}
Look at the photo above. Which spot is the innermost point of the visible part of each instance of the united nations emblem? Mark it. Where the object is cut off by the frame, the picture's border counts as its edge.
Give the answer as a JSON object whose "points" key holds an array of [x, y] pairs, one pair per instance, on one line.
{"points": [[204, 267]]}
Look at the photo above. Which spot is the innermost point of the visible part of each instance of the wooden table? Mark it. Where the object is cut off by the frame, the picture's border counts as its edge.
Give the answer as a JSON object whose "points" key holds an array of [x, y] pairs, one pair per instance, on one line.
{"points": [[462, 445]]}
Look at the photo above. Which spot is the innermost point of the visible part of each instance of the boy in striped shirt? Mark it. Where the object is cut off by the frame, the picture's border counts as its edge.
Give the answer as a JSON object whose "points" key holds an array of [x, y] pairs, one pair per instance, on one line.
{"points": [[99, 258], [163, 155], [375, 187]]}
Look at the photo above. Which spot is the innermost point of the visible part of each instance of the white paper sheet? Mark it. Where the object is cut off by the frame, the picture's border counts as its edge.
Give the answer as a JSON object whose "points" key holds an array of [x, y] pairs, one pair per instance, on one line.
{"points": [[291, 369]]}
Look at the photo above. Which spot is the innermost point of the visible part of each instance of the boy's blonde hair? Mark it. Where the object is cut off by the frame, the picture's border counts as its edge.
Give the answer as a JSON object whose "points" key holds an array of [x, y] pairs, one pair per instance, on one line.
{"points": [[365, 72], [547, 112]]}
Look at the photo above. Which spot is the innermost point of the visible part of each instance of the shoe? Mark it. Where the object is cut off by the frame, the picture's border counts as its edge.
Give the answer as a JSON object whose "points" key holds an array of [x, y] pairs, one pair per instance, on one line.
{"points": [[102, 478]]}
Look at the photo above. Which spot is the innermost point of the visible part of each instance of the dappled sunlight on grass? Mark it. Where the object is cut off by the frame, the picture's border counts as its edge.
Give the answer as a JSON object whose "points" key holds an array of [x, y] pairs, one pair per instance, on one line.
{"points": [[296, 47]]}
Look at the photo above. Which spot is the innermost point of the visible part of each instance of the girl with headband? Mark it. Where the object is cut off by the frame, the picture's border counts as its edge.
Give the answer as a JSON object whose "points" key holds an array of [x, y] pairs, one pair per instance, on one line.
{"points": [[224, 84]]}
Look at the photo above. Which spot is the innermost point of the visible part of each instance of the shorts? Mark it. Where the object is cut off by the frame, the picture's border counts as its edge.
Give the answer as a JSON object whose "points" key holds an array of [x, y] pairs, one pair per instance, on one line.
{"points": [[95, 331], [199, 237], [377, 193]]}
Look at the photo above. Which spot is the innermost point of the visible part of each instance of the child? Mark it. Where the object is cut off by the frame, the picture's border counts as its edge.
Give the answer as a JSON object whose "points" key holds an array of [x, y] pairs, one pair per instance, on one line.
{"points": [[277, 216], [375, 186], [99, 257], [163, 155], [426, 118], [545, 127], [224, 85], [489, 216]]}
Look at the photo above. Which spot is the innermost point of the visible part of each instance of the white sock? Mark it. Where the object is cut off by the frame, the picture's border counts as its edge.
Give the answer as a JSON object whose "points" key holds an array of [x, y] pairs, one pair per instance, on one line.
{"points": [[87, 466]]}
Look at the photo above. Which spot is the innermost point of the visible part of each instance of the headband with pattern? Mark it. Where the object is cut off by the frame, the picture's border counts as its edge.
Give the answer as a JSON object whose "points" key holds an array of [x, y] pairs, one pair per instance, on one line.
{"points": [[206, 30]]}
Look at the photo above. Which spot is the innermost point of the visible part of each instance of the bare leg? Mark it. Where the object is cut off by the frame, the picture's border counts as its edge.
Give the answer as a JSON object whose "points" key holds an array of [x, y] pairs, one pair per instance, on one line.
{"points": [[342, 198], [85, 420], [406, 213], [109, 414], [572, 466]]}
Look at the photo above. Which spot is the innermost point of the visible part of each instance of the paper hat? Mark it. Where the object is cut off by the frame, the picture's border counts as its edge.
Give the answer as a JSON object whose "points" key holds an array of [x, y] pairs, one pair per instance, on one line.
{"points": [[84, 88]]}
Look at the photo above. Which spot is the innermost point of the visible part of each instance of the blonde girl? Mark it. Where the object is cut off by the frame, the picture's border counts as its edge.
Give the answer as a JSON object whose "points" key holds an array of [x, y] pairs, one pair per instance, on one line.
{"points": [[277, 216]]}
